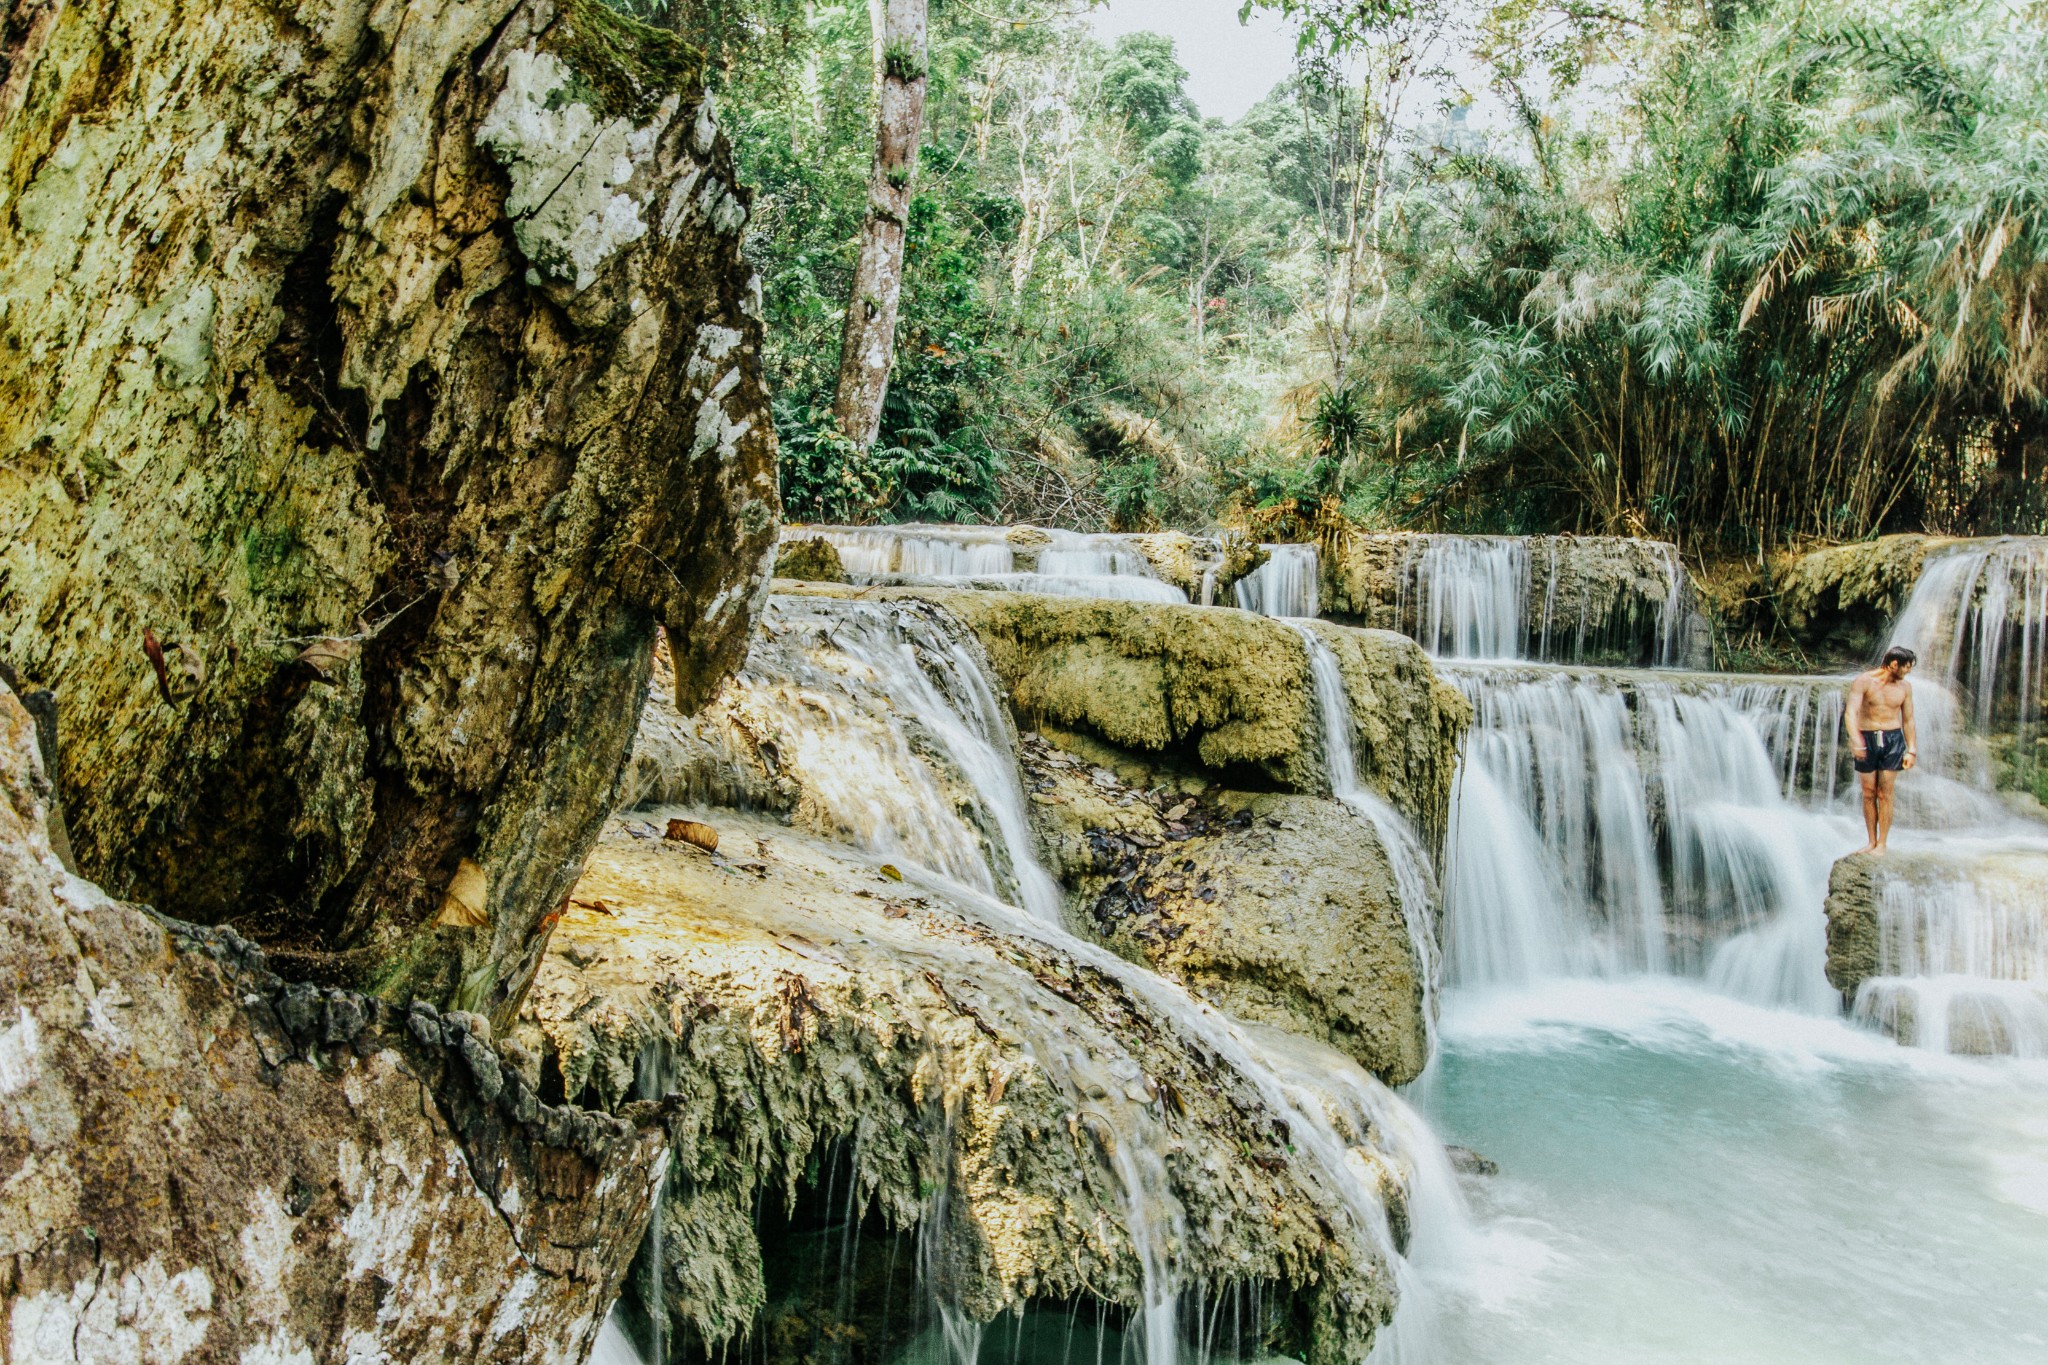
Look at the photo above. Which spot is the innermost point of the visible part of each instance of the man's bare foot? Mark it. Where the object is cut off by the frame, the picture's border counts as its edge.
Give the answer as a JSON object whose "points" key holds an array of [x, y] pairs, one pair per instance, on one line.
{"points": [[1879, 849]]}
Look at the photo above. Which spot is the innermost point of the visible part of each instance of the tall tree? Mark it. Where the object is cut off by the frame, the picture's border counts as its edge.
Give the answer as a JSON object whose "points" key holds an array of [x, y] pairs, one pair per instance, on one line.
{"points": [[868, 347]]}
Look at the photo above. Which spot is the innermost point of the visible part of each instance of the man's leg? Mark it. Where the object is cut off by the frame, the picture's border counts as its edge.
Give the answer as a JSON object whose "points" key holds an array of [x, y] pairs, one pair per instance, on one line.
{"points": [[1885, 782], [1869, 781]]}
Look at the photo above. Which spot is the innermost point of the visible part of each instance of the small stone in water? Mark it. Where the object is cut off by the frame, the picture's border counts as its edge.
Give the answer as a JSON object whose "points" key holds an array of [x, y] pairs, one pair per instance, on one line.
{"points": [[1468, 1162]]}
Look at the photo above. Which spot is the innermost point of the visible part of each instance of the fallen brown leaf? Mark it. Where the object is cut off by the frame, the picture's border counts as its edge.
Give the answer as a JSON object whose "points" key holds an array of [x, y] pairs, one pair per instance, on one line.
{"points": [[694, 833]]}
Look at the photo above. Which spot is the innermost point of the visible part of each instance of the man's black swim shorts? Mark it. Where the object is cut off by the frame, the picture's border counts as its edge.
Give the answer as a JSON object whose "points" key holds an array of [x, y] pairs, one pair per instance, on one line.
{"points": [[1884, 751]]}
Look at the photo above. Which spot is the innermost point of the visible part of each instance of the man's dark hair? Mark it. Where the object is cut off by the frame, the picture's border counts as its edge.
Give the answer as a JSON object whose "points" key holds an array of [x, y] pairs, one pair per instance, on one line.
{"points": [[1899, 654]]}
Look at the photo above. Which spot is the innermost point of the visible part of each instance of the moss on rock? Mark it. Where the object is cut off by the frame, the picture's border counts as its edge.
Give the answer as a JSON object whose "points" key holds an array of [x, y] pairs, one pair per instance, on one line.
{"points": [[799, 1001], [811, 560], [402, 472], [1838, 602], [1280, 909]]}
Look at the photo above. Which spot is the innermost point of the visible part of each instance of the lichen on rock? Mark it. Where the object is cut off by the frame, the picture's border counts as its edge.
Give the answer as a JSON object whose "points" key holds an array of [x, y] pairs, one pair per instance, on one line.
{"points": [[395, 373], [1277, 908], [1838, 601], [205, 1163]]}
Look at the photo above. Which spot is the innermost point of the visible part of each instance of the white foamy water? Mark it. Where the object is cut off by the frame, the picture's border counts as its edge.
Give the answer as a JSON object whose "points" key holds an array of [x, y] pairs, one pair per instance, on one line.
{"points": [[1606, 822], [995, 559], [1978, 617], [1688, 1178]]}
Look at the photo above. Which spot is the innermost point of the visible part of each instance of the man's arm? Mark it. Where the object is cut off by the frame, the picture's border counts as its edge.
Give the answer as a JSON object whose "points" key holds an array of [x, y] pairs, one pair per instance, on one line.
{"points": [[1912, 737], [1852, 717]]}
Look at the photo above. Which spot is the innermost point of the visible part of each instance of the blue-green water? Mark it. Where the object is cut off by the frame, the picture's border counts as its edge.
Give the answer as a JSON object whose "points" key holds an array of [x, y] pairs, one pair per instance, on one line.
{"points": [[1687, 1178]]}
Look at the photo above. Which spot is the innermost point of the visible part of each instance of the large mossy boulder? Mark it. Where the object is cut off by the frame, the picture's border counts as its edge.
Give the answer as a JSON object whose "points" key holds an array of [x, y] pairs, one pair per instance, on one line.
{"points": [[374, 381], [1227, 691], [1277, 908]]}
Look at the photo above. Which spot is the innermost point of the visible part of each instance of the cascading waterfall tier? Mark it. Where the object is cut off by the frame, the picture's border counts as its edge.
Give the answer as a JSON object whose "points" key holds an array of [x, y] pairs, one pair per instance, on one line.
{"points": [[1285, 585], [996, 558], [1978, 617], [1960, 960], [885, 715], [1593, 599], [1609, 822]]}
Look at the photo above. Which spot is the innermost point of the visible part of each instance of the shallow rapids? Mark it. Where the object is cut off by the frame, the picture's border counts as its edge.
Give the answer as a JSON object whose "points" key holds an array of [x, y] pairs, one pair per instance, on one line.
{"points": [[1686, 1178]]}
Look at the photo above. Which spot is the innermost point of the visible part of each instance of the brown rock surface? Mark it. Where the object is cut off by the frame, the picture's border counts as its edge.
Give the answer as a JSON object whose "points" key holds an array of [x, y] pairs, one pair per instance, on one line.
{"points": [[203, 1164], [393, 370]]}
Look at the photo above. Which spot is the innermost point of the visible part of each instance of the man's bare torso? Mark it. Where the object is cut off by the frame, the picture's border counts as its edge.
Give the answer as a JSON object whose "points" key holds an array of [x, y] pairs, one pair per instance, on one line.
{"points": [[1884, 702]]}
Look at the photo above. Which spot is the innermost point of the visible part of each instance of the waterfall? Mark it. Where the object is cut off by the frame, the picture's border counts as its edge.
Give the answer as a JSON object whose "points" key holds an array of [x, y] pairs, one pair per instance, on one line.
{"points": [[1470, 596], [1285, 585], [996, 559], [1963, 950], [1557, 598], [1413, 881], [904, 747], [1607, 822], [1978, 617]]}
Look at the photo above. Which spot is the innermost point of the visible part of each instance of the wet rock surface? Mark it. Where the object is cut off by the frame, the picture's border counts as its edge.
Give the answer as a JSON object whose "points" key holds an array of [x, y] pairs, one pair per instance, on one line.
{"points": [[206, 1163], [1839, 601], [378, 380], [826, 1019], [1277, 908]]}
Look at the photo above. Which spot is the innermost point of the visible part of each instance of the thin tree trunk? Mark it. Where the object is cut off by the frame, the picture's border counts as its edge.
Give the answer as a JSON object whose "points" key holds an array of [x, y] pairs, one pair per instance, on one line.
{"points": [[868, 346]]}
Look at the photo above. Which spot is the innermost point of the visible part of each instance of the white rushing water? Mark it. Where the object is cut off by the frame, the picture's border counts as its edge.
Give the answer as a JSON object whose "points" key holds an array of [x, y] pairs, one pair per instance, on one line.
{"points": [[1606, 823], [1287, 584], [1477, 597], [1413, 879], [1978, 617]]}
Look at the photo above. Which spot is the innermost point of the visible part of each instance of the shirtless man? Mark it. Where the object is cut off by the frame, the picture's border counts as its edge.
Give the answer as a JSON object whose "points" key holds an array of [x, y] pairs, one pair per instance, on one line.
{"points": [[1881, 736]]}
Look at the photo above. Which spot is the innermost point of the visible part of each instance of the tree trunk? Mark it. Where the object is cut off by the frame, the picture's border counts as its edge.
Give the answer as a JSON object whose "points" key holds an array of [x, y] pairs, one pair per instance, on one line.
{"points": [[868, 348]]}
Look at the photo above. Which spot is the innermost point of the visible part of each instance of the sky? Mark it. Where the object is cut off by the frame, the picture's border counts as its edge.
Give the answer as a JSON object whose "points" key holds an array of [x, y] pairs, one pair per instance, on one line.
{"points": [[1230, 68]]}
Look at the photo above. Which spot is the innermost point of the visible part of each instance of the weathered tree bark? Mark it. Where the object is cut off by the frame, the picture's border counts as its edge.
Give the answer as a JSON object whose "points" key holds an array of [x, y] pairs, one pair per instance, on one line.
{"points": [[387, 374], [868, 347]]}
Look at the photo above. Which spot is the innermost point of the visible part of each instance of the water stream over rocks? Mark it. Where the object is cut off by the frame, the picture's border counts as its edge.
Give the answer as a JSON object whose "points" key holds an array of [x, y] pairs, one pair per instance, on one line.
{"points": [[1698, 1142]]}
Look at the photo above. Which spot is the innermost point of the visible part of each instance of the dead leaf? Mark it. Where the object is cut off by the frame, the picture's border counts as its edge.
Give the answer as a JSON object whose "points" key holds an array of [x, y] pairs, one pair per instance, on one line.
{"points": [[154, 652], [795, 1000], [465, 905], [803, 947], [598, 906], [890, 871], [694, 833], [325, 657], [895, 911], [998, 1082]]}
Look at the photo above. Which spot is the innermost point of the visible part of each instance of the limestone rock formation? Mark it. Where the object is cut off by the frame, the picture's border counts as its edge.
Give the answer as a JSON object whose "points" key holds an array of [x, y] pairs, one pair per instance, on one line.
{"points": [[1839, 601], [1277, 908], [1854, 944], [202, 1163], [376, 379], [1223, 690], [811, 560], [851, 1045]]}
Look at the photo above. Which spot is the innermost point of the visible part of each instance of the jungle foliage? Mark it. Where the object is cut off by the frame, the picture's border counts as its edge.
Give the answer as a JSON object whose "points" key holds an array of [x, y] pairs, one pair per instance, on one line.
{"points": [[1732, 271]]}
